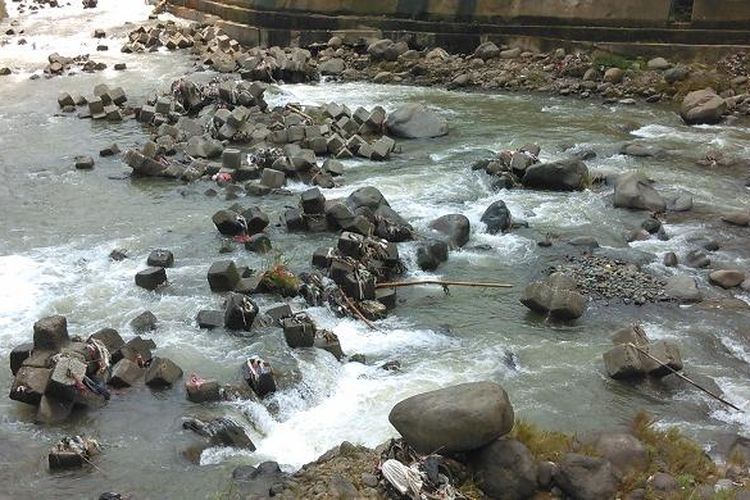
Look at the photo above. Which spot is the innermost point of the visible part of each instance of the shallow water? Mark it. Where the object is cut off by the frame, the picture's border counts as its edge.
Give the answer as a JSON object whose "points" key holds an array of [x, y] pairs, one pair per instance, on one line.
{"points": [[59, 225]]}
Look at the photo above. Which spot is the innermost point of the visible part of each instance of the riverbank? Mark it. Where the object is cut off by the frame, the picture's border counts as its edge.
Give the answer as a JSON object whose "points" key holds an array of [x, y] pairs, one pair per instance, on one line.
{"points": [[259, 150], [507, 459]]}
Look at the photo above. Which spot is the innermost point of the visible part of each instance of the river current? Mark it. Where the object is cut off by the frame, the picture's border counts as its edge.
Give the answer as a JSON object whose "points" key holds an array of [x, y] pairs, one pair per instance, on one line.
{"points": [[58, 226]]}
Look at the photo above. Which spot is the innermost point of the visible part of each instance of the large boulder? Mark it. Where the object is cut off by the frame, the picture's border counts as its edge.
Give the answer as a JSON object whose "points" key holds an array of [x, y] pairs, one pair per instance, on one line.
{"points": [[487, 50], [454, 419], [456, 227], [497, 217], [564, 175], [505, 469], [702, 106], [586, 478], [414, 121], [633, 190], [727, 278]]}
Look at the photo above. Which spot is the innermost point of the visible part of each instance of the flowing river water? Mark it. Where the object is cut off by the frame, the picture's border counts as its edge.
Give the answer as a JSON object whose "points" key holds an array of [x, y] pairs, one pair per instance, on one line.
{"points": [[58, 226]]}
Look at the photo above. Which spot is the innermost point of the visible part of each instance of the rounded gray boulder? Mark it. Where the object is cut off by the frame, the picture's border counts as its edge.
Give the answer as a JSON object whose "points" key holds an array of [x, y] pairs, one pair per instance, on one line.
{"points": [[414, 121], [454, 419]]}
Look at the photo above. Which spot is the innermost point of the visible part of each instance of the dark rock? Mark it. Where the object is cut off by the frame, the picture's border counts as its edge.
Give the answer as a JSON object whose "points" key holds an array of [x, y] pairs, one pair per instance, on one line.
{"points": [[160, 258], [109, 337], [670, 259], [210, 319], [144, 322], [564, 175], [110, 150], [586, 478], [455, 226], [223, 276], [136, 349], [30, 384], [51, 333], [118, 255], [84, 162], [258, 243], [53, 410], [454, 419], [126, 373], [505, 469], [162, 372], [255, 220], [497, 218], [431, 253], [202, 391], [313, 201], [229, 222], [240, 312], [299, 331], [221, 431], [329, 341], [65, 377], [151, 278], [257, 482], [18, 355], [295, 220]]}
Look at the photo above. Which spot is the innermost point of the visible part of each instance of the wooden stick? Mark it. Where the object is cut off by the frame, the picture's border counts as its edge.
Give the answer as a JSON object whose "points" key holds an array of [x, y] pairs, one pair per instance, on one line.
{"points": [[399, 284], [359, 313], [686, 379]]}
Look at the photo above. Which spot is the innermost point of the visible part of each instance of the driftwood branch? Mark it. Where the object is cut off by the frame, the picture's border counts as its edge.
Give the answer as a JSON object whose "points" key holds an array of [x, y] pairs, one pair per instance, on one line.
{"points": [[685, 378], [400, 284], [359, 314]]}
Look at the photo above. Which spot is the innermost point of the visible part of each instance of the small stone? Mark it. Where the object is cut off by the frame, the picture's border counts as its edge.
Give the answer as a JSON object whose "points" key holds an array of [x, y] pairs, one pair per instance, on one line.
{"points": [[160, 258], [84, 162], [110, 150]]}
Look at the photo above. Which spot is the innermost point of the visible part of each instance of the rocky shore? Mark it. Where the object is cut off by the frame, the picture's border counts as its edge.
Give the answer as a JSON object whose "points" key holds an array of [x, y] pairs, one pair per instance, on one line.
{"points": [[466, 442], [215, 127]]}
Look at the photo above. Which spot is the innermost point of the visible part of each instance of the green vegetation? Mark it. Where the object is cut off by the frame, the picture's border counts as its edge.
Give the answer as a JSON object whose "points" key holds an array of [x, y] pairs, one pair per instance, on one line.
{"points": [[279, 279], [609, 60], [544, 445]]}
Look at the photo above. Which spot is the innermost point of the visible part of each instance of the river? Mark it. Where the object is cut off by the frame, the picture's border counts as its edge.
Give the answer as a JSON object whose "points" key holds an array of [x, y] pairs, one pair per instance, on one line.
{"points": [[59, 226]]}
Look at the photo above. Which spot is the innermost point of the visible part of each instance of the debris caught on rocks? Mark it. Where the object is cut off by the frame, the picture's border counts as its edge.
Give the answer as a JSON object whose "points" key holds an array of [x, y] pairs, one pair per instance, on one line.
{"points": [[73, 452]]}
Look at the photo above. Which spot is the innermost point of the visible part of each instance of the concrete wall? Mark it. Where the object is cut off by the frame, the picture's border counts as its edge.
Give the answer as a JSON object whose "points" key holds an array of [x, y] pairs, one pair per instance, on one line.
{"points": [[602, 12], [718, 13]]}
